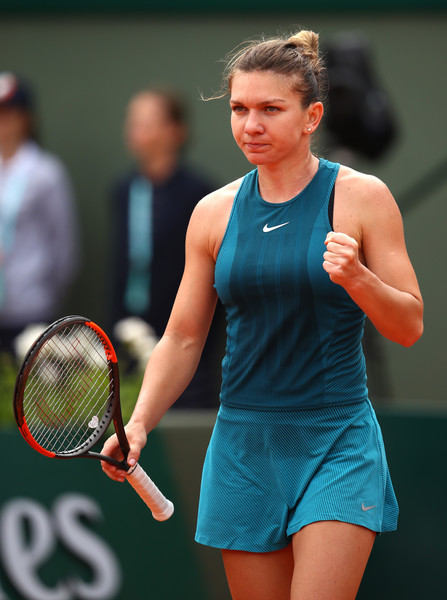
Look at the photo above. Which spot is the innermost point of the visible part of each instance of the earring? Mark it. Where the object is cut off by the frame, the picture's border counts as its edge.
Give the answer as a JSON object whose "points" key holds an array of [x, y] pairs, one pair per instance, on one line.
{"points": [[309, 129]]}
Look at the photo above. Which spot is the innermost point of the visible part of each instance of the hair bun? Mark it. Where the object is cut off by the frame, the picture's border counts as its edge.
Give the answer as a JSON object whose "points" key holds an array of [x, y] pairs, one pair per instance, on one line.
{"points": [[308, 44]]}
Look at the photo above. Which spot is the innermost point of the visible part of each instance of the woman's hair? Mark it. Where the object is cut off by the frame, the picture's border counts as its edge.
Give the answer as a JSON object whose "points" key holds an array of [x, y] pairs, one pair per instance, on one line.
{"points": [[296, 57]]}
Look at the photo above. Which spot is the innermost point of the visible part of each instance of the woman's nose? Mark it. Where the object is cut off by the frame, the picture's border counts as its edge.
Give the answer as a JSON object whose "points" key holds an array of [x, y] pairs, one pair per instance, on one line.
{"points": [[253, 123]]}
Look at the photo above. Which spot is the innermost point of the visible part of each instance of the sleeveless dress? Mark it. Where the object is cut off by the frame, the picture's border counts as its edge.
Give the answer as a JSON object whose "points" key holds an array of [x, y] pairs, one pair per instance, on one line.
{"points": [[296, 439]]}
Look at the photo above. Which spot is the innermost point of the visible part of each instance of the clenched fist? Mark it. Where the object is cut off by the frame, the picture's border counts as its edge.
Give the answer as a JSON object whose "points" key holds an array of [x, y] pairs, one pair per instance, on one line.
{"points": [[341, 259]]}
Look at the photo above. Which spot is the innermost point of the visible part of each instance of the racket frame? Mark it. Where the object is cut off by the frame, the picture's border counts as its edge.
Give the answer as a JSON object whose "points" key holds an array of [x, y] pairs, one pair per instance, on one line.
{"points": [[113, 412]]}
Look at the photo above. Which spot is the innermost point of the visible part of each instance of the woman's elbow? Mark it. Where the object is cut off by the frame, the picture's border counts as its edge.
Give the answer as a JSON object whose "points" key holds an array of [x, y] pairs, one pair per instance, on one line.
{"points": [[415, 330], [413, 335]]}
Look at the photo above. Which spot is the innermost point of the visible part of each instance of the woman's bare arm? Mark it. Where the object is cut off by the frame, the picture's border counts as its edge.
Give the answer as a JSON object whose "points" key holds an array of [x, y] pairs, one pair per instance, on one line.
{"points": [[371, 262]]}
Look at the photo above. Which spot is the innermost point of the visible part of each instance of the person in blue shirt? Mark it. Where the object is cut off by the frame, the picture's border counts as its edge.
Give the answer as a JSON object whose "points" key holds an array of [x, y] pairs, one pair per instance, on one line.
{"points": [[295, 483]]}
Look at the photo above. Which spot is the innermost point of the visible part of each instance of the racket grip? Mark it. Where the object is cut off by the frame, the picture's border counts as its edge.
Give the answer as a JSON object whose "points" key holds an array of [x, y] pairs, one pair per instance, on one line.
{"points": [[161, 507]]}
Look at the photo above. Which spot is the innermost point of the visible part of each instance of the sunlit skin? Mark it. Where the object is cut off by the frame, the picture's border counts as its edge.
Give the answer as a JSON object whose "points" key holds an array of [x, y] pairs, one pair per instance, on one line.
{"points": [[365, 254]]}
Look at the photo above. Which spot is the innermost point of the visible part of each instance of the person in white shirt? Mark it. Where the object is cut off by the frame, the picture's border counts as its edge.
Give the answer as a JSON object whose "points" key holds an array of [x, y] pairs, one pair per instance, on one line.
{"points": [[38, 228]]}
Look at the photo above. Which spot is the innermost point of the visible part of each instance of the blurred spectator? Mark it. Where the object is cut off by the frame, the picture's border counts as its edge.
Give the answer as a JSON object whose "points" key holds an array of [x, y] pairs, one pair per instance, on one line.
{"points": [[152, 205], [38, 249], [359, 117]]}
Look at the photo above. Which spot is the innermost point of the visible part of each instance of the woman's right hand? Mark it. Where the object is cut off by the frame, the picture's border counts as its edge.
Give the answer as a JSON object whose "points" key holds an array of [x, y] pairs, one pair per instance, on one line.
{"points": [[137, 438]]}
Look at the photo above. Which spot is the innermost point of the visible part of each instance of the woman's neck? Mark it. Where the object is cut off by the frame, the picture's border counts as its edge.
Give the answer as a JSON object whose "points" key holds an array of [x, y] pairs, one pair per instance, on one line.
{"points": [[279, 183]]}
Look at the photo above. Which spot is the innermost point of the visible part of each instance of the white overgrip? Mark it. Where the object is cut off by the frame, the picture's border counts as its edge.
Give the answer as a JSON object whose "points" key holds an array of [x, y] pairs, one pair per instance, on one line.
{"points": [[161, 507]]}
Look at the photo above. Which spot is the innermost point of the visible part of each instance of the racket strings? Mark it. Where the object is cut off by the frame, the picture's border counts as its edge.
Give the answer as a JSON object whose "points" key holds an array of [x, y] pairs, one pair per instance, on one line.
{"points": [[62, 413], [72, 385], [68, 390], [50, 370], [60, 375]]}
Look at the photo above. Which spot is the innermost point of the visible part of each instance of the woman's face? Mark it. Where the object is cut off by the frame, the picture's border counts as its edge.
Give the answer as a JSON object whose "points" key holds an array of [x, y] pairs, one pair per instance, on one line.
{"points": [[267, 119]]}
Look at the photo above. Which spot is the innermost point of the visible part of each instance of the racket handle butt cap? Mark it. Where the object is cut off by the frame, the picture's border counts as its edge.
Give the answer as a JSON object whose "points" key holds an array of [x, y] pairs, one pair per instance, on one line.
{"points": [[161, 507], [165, 514]]}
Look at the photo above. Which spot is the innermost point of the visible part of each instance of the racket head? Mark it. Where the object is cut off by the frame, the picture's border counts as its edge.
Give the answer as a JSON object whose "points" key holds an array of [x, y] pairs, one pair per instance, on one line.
{"points": [[67, 389]]}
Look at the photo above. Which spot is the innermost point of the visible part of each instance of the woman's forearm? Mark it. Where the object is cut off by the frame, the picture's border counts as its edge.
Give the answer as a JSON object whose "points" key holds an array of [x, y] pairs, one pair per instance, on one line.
{"points": [[396, 314], [170, 368]]}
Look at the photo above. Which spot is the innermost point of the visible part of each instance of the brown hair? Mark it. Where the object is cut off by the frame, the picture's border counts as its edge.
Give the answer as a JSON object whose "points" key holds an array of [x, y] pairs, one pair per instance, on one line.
{"points": [[296, 57]]}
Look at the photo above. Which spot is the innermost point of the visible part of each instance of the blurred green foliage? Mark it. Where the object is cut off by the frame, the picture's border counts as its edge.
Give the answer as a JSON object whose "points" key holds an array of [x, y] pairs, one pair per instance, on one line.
{"points": [[8, 373], [129, 389]]}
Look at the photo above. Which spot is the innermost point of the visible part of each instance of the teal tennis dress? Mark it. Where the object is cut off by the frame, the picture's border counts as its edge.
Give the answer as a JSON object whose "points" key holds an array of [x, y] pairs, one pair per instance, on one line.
{"points": [[296, 439]]}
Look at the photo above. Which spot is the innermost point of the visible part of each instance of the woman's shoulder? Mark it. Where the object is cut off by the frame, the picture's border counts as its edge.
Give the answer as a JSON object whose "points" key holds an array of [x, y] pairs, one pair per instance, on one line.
{"points": [[351, 181], [219, 200], [210, 216], [363, 200]]}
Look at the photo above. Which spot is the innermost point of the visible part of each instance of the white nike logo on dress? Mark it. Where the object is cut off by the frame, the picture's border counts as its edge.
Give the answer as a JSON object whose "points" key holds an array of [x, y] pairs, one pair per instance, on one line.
{"points": [[365, 508], [266, 228]]}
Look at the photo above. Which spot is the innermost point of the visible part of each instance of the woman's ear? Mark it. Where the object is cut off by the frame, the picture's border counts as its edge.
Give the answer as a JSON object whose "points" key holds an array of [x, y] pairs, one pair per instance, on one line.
{"points": [[314, 115]]}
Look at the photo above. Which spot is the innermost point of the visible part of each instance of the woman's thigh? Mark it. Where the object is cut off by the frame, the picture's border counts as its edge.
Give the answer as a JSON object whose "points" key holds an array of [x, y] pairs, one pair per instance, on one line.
{"points": [[329, 560], [259, 576], [326, 559]]}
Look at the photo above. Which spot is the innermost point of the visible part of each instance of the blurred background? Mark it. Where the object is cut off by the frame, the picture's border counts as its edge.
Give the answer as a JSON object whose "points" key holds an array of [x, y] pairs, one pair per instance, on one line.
{"points": [[85, 60]]}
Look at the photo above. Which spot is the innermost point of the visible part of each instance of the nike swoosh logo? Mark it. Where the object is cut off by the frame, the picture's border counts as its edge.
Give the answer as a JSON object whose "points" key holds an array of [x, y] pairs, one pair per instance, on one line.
{"points": [[266, 228], [365, 508]]}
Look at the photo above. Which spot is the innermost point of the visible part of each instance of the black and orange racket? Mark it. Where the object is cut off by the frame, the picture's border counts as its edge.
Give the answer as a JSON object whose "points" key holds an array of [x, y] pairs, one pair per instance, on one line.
{"points": [[67, 394]]}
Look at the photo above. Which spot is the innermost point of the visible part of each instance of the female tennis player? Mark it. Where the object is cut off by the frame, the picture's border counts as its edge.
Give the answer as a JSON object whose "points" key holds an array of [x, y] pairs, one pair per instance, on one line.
{"points": [[295, 484]]}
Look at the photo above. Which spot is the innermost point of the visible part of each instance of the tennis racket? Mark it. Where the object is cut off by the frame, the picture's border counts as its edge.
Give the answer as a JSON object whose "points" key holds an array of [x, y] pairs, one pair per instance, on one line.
{"points": [[67, 394]]}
